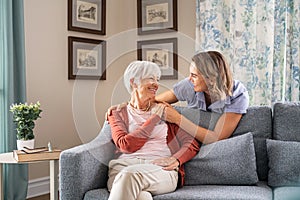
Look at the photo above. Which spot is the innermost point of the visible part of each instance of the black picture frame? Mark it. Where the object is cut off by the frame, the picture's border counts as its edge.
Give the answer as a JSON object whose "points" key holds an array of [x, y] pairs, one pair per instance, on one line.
{"points": [[156, 16], [86, 58], [163, 52], [88, 16]]}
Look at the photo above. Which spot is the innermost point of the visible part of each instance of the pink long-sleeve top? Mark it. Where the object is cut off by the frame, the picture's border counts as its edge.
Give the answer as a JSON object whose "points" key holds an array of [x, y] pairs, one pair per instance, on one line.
{"points": [[182, 145]]}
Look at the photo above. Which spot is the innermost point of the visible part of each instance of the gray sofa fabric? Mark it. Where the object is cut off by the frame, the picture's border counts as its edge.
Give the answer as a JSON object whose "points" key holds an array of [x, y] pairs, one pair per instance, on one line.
{"points": [[204, 192], [213, 192], [96, 194], [258, 121], [286, 130], [221, 164], [284, 163], [83, 169], [287, 121]]}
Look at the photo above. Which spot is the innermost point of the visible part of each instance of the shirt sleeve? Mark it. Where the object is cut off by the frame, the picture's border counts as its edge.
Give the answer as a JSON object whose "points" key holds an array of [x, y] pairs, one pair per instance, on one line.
{"points": [[239, 101], [189, 147], [184, 90]]}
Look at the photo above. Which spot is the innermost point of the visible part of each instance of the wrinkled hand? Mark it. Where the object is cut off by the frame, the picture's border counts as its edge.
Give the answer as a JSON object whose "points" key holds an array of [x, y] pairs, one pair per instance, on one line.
{"points": [[114, 107], [158, 109], [171, 115], [169, 163]]}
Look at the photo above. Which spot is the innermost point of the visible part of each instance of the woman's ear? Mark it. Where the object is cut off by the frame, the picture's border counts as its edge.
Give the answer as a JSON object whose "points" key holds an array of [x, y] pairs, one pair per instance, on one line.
{"points": [[133, 84]]}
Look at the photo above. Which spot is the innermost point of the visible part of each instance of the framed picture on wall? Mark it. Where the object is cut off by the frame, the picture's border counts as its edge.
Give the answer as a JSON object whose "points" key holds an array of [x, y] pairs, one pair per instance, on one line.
{"points": [[87, 58], [163, 52], [87, 16], [156, 16]]}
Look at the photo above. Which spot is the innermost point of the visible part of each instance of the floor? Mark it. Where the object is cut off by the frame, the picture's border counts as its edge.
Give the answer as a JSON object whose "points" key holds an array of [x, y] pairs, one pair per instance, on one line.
{"points": [[43, 197]]}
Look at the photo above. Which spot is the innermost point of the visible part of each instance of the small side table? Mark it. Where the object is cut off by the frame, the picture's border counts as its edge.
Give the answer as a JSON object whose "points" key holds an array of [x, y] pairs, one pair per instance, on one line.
{"points": [[7, 158]]}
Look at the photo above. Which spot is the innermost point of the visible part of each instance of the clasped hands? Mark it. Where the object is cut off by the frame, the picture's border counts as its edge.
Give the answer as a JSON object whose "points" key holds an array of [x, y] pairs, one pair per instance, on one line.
{"points": [[168, 163], [164, 110]]}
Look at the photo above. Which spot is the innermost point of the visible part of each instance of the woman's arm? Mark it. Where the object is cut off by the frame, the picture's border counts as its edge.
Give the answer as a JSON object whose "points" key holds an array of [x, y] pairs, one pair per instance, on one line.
{"points": [[189, 147], [167, 96], [133, 141], [225, 126]]}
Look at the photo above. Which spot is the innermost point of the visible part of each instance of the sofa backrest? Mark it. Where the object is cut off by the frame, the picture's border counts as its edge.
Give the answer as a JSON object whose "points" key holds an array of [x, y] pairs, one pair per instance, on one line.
{"points": [[286, 121], [283, 149], [257, 120]]}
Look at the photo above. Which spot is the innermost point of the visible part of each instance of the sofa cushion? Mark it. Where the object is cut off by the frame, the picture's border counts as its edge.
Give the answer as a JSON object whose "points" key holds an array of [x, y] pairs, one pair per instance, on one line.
{"points": [[97, 194], [284, 162], [230, 161], [203, 192], [286, 121], [286, 193], [224, 192], [257, 120]]}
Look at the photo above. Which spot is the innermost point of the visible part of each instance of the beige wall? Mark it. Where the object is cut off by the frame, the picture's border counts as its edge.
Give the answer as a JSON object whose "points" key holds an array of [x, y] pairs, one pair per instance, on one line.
{"points": [[73, 110]]}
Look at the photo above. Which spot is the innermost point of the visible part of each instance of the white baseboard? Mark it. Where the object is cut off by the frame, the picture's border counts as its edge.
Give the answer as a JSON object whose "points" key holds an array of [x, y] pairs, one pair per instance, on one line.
{"points": [[38, 187]]}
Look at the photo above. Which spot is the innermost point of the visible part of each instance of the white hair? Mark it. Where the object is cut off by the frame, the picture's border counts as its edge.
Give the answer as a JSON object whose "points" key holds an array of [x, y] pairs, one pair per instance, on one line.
{"points": [[138, 70]]}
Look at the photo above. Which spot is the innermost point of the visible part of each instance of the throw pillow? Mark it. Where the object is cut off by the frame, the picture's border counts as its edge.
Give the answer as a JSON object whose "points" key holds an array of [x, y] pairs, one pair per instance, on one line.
{"points": [[227, 162], [284, 162]]}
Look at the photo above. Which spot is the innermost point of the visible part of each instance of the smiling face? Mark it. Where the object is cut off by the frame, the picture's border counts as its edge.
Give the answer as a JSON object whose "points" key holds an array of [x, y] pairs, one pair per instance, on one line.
{"points": [[197, 79], [148, 87]]}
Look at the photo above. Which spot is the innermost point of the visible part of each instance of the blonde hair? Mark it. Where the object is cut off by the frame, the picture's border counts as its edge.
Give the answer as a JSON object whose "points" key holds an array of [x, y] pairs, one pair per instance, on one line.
{"points": [[215, 70]]}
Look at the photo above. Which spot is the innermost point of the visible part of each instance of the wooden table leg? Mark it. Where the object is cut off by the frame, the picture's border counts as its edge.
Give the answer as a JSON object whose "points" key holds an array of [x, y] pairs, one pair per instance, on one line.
{"points": [[1, 182], [54, 179]]}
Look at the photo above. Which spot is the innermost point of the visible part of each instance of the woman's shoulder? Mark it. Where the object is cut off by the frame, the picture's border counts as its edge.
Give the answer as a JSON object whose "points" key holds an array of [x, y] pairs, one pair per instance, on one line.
{"points": [[184, 90], [183, 83], [120, 112], [238, 88], [239, 101]]}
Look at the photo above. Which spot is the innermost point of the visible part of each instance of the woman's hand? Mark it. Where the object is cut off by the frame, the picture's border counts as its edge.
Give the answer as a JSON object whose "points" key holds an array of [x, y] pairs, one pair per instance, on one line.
{"points": [[114, 107], [171, 115], [158, 109], [169, 163]]}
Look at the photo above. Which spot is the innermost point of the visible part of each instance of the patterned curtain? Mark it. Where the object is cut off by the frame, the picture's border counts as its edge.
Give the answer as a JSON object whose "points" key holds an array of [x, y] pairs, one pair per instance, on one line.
{"points": [[260, 39]]}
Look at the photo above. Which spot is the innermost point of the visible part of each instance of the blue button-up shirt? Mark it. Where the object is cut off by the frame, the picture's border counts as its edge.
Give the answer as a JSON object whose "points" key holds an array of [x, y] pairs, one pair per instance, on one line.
{"points": [[237, 103]]}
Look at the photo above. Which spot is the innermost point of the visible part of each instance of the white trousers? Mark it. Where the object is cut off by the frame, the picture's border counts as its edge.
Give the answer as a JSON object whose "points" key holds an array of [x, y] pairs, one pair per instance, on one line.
{"points": [[138, 179]]}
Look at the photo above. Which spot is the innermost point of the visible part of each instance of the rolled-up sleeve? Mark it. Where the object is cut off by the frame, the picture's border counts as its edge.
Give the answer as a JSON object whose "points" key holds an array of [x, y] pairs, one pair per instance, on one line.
{"points": [[239, 101], [184, 90]]}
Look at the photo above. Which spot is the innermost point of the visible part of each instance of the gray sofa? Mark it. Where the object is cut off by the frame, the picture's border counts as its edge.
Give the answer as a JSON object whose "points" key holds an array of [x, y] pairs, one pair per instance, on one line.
{"points": [[260, 161]]}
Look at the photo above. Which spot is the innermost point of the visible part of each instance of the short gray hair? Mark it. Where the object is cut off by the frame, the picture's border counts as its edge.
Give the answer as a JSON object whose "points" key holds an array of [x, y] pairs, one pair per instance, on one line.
{"points": [[139, 70]]}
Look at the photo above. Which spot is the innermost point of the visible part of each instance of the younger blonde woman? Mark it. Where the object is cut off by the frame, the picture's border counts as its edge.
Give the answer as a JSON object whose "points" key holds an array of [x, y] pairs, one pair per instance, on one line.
{"points": [[209, 87]]}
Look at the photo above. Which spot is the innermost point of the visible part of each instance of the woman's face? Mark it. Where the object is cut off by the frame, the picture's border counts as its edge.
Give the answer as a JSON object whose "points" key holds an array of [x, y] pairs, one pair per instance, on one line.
{"points": [[148, 87], [197, 79]]}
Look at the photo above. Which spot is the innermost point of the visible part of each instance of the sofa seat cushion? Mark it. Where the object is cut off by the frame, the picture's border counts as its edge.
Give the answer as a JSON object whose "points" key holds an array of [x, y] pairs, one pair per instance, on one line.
{"points": [[286, 193], [219, 192], [204, 192], [96, 194], [226, 162]]}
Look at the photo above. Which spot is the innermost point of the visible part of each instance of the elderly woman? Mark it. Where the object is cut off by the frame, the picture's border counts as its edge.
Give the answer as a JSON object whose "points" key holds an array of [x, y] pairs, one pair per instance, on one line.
{"points": [[150, 151]]}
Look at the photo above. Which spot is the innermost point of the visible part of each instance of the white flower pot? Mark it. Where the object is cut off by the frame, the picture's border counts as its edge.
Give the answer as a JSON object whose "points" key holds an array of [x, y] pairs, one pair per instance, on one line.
{"points": [[25, 143]]}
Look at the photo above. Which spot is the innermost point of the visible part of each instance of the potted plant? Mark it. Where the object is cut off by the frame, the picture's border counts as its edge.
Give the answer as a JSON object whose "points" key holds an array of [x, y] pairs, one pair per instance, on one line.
{"points": [[24, 116]]}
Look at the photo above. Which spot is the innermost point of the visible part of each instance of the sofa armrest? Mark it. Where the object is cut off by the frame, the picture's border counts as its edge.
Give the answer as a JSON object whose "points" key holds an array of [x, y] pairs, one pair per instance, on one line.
{"points": [[84, 167]]}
